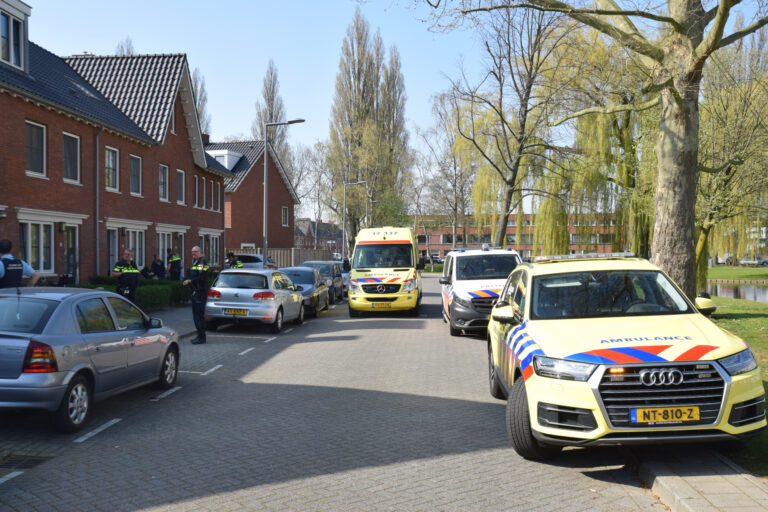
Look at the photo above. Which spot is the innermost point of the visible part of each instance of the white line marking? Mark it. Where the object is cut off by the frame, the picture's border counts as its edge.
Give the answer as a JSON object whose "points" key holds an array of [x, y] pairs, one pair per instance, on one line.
{"points": [[9, 476], [246, 351], [189, 371], [165, 394], [332, 306], [96, 431], [208, 372], [270, 339], [289, 330]]}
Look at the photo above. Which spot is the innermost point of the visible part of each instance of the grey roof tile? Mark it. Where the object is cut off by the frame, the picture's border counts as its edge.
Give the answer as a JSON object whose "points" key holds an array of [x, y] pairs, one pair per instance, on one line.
{"points": [[251, 151], [142, 86], [52, 81]]}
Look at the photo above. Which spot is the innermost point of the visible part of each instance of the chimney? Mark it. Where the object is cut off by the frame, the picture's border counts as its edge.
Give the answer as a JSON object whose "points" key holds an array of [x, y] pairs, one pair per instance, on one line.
{"points": [[206, 139]]}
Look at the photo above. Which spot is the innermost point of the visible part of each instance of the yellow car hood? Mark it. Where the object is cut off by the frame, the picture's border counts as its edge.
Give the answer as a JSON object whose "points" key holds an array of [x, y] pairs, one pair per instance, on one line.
{"points": [[381, 275], [684, 337]]}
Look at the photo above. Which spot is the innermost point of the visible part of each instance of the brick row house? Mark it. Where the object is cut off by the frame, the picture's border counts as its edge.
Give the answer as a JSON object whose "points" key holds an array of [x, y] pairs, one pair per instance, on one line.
{"points": [[310, 234], [99, 153]]}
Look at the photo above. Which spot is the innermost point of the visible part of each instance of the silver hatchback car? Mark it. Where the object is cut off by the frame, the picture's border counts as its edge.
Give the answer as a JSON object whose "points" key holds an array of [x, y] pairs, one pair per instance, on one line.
{"points": [[245, 295], [63, 348]]}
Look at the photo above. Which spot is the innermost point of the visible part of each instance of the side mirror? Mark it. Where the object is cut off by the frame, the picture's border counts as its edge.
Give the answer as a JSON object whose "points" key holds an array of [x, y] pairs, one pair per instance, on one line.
{"points": [[444, 280], [705, 304], [501, 304], [298, 288], [155, 323], [505, 319]]}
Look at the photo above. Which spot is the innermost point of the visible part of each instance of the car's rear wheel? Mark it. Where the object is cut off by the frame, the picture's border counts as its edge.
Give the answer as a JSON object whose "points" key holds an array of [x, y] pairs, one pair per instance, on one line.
{"points": [[277, 325], [497, 391], [169, 370], [75, 406], [519, 426], [300, 319]]}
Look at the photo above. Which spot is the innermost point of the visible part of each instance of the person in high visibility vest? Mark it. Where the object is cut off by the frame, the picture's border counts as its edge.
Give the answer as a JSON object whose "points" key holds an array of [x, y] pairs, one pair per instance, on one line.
{"points": [[233, 262], [198, 280], [174, 265], [127, 275]]}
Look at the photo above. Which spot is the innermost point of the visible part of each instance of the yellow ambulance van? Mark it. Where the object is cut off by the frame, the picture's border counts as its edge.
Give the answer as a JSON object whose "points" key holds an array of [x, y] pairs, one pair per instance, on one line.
{"points": [[386, 271]]}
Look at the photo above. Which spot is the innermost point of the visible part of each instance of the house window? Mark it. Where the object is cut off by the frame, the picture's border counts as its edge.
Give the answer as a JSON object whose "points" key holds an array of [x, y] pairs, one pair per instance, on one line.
{"points": [[606, 238], [111, 169], [218, 196], [213, 249], [134, 240], [203, 194], [71, 153], [197, 195], [421, 239], [511, 238], [511, 223], [447, 239], [211, 205], [10, 39], [526, 239], [35, 143], [181, 187], [135, 175], [164, 242], [286, 217], [37, 245], [163, 182]]}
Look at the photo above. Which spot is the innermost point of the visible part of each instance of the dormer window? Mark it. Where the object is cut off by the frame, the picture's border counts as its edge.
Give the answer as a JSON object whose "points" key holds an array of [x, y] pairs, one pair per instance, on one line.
{"points": [[11, 36]]}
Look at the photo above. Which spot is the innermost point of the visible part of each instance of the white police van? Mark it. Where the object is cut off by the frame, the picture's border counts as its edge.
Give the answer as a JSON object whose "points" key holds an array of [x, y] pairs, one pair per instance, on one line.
{"points": [[471, 282]]}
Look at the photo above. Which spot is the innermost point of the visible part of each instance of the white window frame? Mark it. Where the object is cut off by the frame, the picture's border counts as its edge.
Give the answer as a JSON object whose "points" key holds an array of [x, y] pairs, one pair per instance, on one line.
{"points": [[218, 196], [11, 41], [77, 137], [212, 196], [130, 175], [160, 169], [117, 169], [286, 217], [214, 250], [36, 174], [181, 177], [28, 247], [203, 194], [197, 192], [164, 242]]}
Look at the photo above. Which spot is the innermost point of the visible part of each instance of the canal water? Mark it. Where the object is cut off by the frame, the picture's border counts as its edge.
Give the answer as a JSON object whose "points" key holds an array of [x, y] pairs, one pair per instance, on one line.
{"points": [[755, 292]]}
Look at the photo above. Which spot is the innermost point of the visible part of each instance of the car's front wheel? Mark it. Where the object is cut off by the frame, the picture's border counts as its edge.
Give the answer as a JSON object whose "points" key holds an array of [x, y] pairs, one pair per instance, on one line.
{"points": [[353, 313], [75, 406], [519, 426], [169, 370]]}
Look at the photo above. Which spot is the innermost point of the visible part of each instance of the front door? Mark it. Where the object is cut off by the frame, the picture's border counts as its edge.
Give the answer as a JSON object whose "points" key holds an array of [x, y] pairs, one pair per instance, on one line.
{"points": [[71, 253]]}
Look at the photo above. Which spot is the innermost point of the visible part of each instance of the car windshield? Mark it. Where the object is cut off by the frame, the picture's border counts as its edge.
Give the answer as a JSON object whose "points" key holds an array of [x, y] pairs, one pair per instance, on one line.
{"points": [[302, 276], [383, 256], [486, 266], [605, 293], [324, 269], [248, 258], [241, 280], [25, 314]]}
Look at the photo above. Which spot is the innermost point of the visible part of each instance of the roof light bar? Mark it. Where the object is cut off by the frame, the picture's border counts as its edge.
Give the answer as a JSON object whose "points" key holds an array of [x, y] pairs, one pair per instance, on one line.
{"points": [[591, 256]]}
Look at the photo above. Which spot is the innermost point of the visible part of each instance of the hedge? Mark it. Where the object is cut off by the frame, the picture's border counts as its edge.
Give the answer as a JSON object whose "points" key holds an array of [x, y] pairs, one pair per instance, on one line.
{"points": [[150, 293]]}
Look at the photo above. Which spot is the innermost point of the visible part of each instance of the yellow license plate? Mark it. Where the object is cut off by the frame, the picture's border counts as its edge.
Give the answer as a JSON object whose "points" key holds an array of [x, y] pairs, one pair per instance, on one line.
{"points": [[235, 311], [384, 305], [656, 415]]}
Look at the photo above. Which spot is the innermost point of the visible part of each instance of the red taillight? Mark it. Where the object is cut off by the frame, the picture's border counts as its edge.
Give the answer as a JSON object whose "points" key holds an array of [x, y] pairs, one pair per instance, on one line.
{"points": [[40, 359], [214, 293], [264, 296]]}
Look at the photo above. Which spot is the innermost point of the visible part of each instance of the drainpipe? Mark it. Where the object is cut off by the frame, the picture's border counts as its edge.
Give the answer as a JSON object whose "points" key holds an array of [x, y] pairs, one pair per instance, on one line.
{"points": [[96, 218]]}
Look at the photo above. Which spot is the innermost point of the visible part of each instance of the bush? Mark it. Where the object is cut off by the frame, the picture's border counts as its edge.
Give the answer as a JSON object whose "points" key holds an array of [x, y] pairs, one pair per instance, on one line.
{"points": [[153, 297], [150, 293]]}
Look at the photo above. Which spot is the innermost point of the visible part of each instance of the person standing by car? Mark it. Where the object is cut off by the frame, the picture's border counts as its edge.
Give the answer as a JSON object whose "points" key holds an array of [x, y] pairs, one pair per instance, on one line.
{"points": [[198, 280], [12, 270], [127, 275], [174, 265], [233, 262]]}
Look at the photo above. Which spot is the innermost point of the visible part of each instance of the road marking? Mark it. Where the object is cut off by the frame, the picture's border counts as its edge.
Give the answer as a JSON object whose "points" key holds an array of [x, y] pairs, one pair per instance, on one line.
{"points": [[96, 431], [208, 372], [246, 351], [332, 306], [9, 476], [189, 371], [165, 394], [289, 330], [270, 339]]}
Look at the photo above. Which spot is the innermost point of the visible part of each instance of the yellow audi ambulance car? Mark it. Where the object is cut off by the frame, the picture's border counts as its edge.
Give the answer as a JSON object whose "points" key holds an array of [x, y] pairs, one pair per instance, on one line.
{"points": [[608, 351], [386, 271]]}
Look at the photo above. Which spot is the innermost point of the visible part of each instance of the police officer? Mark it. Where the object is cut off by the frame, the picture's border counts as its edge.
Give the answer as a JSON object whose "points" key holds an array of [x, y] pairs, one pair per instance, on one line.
{"points": [[174, 265], [12, 270], [198, 280], [233, 262], [127, 275]]}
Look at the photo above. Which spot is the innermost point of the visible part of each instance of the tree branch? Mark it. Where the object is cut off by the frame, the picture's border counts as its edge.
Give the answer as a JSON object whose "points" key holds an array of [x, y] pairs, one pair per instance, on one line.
{"points": [[715, 35], [609, 110], [743, 32], [726, 165], [572, 10]]}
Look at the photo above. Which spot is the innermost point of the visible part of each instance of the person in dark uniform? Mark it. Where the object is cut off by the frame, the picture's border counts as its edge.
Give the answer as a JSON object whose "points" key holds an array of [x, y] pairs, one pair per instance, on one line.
{"points": [[174, 265], [233, 262], [158, 269], [127, 275], [12, 270], [198, 280]]}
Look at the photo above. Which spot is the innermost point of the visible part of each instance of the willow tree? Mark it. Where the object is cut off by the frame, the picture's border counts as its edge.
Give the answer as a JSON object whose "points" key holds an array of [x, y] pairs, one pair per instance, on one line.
{"points": [[684, 34]]}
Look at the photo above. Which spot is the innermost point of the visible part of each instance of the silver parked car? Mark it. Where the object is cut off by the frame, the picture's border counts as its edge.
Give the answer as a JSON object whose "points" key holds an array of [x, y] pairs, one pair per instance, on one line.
{"points": [[62, 349], [255, 261], [246, 295], [314, 288]]}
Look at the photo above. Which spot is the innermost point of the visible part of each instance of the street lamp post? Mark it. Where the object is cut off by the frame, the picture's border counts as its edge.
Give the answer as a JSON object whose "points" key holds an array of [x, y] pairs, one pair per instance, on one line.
{"points": [[266, 154], [344, 218]]}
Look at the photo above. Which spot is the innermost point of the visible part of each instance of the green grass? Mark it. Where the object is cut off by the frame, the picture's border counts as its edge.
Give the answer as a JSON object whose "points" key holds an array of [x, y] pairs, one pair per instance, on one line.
{"points": [[437, 270], [749, 321], [731, 272]]}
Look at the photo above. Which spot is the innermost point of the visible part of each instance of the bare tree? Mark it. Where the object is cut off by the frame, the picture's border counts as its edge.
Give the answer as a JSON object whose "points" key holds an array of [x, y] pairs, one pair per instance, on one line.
{"points": [[201, 100], [270, 109], [125, 47]]}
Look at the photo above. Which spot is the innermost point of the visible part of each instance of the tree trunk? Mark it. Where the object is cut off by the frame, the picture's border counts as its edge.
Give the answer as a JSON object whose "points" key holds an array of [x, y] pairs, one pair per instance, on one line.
{"points": [[702, 255], [501, 225], [677, 154]]}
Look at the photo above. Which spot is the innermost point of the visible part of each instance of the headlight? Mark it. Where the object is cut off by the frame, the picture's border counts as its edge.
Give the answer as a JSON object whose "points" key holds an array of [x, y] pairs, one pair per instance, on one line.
{"points": [[561, 369], [739, 363], [467, 303], [409, 285], [354, 286]]}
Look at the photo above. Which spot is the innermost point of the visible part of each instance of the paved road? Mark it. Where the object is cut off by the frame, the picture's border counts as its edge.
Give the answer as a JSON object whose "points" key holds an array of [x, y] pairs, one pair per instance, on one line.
{"points": [[377, 413]]}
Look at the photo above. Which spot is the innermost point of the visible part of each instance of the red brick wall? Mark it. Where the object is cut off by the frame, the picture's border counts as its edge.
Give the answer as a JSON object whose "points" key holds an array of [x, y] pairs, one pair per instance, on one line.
{"points": [[247, 209], [52, 193]]}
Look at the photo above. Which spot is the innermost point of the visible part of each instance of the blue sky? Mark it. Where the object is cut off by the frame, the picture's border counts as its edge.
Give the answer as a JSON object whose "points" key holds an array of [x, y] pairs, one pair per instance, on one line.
{"points": [[232, 41]]}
